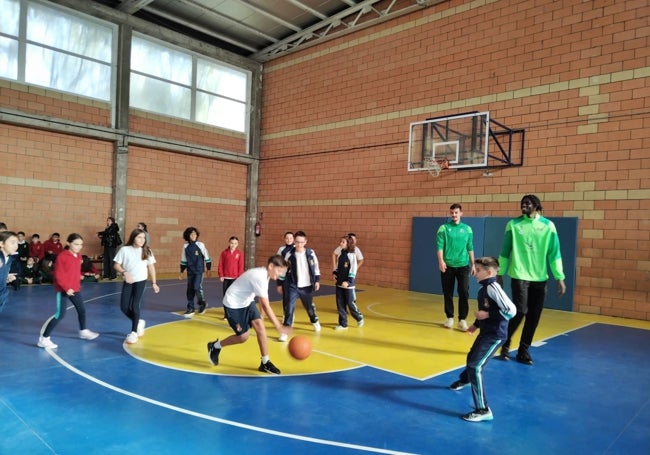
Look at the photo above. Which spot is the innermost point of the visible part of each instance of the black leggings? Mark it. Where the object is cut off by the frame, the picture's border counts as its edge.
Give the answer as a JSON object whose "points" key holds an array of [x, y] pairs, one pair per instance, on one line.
{"points": [[61, 308], [130, 301]]}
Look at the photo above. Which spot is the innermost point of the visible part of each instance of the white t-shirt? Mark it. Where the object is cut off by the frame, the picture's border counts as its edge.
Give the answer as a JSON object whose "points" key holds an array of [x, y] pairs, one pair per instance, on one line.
{"points": [[302, 269], [252, 283], [130, 258]]}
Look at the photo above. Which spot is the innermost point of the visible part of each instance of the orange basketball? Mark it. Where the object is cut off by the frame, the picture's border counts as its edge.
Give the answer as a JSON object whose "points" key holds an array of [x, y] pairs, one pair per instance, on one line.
{"points": [[300, 347]]}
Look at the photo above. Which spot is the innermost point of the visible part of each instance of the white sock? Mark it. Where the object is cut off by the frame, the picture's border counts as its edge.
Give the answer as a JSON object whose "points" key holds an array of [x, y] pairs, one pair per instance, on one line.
{"points": [[217, 344], [265, 358]]}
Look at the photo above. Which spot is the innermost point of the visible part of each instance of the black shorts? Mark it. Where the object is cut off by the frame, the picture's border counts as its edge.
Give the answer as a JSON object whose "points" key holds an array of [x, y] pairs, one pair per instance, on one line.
{"points": [[240, 319]]}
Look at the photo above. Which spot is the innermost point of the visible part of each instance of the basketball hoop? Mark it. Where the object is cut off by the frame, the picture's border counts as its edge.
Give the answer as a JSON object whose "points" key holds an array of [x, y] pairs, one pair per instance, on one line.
{"points": [[434, 167]]}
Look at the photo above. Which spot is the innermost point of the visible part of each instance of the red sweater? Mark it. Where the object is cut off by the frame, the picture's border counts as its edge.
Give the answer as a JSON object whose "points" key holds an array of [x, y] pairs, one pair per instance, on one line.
{"points": [[50, 247], [231, 264], [36, 250], [67, 272]]}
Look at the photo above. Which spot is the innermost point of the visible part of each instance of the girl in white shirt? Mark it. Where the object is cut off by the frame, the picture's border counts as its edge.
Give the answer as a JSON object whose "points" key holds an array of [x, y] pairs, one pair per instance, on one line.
{"points": [[135, 261]]}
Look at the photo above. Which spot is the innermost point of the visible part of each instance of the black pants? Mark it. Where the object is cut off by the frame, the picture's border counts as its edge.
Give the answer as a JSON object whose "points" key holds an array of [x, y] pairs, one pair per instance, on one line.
{"points": [[61, 308], [528, 297], [461, 276], [131, 300], [108, 270]]}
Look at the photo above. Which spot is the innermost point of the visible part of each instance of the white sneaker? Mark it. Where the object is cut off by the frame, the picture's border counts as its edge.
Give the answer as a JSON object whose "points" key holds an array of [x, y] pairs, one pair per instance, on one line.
{"points": [[45, 342], [132, 338], [86, 334], [316, 326], [283, 337], [141, 324], [361, 322], [462, 325], [340, 327], [450, 323]]}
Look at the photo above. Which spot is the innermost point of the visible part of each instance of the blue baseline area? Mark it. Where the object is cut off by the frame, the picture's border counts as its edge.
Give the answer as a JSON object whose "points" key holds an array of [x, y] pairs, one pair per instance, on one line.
{"points": [[488, 240]]}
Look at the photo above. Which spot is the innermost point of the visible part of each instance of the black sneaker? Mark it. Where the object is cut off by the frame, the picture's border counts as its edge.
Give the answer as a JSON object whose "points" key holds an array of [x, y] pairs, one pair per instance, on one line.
{"points": [[505, 353], [202, 306], [213, 353], [189, 313], [458, 385], [268, 367], [524, 358]]}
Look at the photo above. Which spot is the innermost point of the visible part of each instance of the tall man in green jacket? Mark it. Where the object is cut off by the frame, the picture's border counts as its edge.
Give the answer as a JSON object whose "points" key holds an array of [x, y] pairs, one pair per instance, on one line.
{"points": [[530, 241]]}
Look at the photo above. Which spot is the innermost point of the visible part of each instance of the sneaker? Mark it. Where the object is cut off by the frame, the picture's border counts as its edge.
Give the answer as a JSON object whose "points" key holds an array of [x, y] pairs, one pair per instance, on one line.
{"points": [[462, 325], [86, 334], [450, 323], [458, 385], [268, 367], [361, 322], [505, 353], [478, 415], [524, 357], [132, 338], [141, 324], [45, 342], [283, 337], [213, 353], [202, 306], [340, 327], [316, 326], [188, 313]]}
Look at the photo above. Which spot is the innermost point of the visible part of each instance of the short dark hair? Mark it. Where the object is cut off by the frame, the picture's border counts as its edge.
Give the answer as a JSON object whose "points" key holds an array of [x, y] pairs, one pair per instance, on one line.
{"points": [[455, 206], [533, 200], [278, 261], [489, 262], [300, 234]]}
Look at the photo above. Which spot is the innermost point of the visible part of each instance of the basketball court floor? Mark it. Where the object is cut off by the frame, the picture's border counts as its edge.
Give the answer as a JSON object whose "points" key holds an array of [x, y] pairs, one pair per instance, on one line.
{"points": [[382, 388]]}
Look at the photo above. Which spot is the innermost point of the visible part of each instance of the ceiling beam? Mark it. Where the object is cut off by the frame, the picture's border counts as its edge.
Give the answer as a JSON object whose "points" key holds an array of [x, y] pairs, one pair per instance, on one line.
{"points": [[132, 6]]}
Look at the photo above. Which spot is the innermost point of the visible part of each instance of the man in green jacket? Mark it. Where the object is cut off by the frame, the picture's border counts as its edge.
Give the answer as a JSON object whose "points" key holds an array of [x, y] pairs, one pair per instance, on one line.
{"points": [[455, 251], [530, 241]]}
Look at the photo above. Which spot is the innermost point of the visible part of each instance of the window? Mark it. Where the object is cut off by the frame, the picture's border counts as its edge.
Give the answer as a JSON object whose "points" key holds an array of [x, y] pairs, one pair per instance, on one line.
{"points": [[177, 83], [62, 51]]}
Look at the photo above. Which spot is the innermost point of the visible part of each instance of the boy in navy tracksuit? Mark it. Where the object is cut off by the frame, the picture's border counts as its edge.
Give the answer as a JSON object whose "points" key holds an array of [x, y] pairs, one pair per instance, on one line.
{"points": [[302, 280], [495, 309], [345, 274], [194, 258]]}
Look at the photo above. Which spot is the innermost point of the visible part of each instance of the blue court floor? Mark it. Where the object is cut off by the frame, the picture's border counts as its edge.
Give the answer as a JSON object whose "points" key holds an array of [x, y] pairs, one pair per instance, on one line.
{"points": [[382, 388]]}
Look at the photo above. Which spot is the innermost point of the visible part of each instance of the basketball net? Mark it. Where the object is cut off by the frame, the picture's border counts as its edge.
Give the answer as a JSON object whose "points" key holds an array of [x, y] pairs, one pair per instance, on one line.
{"points": [[434, 167]]}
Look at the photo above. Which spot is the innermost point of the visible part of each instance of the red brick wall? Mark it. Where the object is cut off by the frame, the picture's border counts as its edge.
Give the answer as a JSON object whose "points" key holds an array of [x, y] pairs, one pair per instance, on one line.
{"points": [[574, 74]]}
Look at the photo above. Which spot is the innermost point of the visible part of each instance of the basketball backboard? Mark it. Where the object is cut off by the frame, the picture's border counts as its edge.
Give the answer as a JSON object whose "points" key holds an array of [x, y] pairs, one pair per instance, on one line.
{"points": [[465, 141]]}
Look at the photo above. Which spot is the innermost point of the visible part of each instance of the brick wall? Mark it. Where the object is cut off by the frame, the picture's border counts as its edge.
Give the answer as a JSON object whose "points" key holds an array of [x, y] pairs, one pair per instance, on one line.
{"points": [[56, 182], [574, 74]]}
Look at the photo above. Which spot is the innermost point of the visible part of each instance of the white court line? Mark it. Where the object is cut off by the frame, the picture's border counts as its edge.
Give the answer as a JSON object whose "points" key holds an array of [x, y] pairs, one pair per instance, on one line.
{"points": [[217, 419]]}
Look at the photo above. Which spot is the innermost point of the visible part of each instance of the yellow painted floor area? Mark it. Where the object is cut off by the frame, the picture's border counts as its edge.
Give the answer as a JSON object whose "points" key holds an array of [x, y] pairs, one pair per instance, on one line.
{"points": [[403, 334]]}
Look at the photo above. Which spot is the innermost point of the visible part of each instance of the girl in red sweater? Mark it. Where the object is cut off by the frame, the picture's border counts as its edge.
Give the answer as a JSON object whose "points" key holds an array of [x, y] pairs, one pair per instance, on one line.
{"points": [[231, 264], [67, 283]]}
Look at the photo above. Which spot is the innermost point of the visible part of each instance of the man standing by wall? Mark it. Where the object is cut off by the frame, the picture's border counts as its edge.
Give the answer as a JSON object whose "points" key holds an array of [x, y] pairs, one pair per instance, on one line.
{"points": [[455, 250], [530, 240]]}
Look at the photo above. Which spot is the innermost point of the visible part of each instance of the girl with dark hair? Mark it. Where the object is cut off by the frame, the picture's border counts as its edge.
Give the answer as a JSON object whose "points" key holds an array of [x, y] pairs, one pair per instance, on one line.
{"points": [[67, 283], [135, 261]]}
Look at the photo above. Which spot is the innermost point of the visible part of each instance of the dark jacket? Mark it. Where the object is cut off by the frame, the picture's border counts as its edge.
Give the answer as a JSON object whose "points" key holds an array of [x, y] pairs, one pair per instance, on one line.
{"points": [[110, 236]]}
